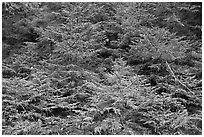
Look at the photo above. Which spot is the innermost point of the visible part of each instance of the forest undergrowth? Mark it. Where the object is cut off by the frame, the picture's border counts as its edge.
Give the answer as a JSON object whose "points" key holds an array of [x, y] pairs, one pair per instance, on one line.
{"points": [[101, 68]]}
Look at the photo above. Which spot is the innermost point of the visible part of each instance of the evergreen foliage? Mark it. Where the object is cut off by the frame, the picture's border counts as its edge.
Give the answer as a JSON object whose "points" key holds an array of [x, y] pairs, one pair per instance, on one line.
{"points": [[101, 68]]}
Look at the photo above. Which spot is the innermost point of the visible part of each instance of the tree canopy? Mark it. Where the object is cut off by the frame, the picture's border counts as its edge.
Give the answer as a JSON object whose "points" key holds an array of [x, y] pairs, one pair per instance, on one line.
{"points": [[108, 68]]}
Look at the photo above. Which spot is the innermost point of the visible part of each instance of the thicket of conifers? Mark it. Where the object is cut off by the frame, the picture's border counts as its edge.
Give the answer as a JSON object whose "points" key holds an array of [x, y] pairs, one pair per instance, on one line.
{"points": [[101, 68]]}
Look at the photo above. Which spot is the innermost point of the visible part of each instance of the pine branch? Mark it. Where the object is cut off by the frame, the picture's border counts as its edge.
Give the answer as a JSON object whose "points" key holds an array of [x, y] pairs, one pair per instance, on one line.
{"points": [[176, 79]]}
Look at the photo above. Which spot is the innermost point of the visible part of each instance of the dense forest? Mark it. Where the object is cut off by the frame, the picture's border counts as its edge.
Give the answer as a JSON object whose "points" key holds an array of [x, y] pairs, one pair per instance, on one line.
{"points": [[88, 68]]}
